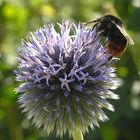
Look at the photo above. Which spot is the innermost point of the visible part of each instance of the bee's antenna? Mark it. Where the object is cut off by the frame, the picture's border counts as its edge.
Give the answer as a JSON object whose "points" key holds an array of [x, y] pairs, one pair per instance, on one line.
{"points": [[92, 21]]}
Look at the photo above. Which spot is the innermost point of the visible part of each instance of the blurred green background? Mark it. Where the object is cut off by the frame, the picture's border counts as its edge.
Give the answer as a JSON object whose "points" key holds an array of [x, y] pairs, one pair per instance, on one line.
{"points": [[18, 17]]}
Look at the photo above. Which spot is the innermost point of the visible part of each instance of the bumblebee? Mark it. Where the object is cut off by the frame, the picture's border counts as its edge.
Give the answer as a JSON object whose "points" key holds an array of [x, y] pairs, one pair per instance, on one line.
{"points": [[112, 29]]}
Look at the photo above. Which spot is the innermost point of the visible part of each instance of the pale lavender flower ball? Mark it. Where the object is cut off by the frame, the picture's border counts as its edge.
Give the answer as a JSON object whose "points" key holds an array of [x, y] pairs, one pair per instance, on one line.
{"points": [[66, 77]]}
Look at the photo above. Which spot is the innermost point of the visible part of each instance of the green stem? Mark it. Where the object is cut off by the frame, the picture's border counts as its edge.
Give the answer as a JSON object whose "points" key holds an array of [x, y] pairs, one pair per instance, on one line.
{"points": [[77, 135]]}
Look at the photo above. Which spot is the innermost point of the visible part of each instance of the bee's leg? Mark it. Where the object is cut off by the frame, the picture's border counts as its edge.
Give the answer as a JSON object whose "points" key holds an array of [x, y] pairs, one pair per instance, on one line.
{"points": [[98, 35], [105, 45], [109, 59], [95, 39]]}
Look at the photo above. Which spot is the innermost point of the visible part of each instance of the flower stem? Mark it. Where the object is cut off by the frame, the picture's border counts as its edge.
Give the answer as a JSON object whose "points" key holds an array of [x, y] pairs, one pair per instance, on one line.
{"points": [[77, 135]]}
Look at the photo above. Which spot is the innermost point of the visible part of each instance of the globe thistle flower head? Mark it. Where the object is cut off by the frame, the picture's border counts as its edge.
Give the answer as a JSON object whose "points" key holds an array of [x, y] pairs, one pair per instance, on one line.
{"points": [[66, 78]]}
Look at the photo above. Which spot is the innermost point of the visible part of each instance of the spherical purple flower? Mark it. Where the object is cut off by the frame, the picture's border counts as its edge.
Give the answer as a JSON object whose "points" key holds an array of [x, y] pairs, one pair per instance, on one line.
{"points": [[66, 77]]}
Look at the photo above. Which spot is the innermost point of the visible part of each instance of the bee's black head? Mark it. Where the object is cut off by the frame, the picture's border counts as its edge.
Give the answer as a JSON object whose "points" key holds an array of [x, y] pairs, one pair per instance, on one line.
{"points": [[114, 19]]}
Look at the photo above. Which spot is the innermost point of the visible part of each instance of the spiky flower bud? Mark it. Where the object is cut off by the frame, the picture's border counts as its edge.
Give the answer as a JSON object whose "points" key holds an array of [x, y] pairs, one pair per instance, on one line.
{"points": [[66, 78]]}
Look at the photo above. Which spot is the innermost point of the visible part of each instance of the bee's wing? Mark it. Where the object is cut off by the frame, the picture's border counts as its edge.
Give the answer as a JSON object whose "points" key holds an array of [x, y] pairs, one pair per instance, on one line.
{"points": [[122, 30]]}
